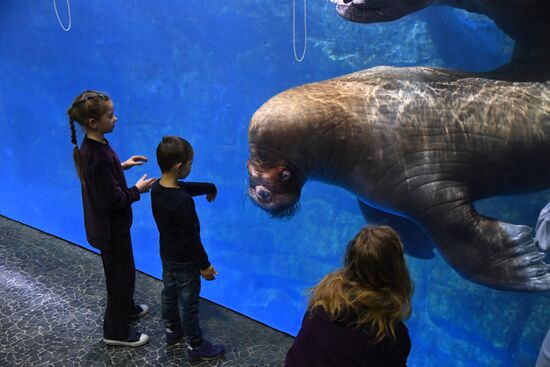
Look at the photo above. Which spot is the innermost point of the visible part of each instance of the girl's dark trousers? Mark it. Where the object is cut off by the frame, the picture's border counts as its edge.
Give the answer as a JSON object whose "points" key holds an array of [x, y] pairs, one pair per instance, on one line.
{"points": [[120, 275]]}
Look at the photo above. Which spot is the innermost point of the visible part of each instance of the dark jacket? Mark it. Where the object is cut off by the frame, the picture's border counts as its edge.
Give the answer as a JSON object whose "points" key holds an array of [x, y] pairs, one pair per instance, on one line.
{"points": [[105, 196], [178, 223], [325, 343]]}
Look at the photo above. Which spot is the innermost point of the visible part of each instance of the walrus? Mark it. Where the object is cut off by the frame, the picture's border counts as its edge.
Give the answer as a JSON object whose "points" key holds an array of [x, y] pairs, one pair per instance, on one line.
{"points": [[421, 143]]}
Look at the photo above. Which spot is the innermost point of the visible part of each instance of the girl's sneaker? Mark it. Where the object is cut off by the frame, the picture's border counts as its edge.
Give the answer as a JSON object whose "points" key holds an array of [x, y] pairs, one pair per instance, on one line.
{"points": [[206, 351], [134, 340], [139, 311]]}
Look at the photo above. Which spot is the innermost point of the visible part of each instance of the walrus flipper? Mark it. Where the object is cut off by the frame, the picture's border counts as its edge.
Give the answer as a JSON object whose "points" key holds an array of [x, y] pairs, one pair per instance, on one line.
{"points": [[417, 243], [492, 253]]}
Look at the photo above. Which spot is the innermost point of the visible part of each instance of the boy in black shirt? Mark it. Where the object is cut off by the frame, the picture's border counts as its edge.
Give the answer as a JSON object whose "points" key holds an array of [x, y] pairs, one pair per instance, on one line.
{"points": [[183, 256]]}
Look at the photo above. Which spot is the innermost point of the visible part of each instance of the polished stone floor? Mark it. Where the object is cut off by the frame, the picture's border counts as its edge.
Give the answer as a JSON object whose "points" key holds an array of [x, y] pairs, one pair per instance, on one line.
{"points": [[52, 298]]}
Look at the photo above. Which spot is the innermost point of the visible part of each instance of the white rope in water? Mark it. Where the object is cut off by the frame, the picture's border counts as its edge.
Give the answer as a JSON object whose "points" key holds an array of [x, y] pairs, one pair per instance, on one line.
{"points": [[294, 30], [59, 20]]}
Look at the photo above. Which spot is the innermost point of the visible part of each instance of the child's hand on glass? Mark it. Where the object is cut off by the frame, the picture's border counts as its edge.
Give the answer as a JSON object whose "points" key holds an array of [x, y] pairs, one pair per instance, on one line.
{"points": [[144, 184], [209, 273], [135, 160], [211, 196]]}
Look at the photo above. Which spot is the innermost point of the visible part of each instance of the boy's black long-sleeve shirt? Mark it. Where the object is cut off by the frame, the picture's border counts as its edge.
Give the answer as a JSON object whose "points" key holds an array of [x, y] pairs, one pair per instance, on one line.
{"points": [[106, 198], [178, 223]]}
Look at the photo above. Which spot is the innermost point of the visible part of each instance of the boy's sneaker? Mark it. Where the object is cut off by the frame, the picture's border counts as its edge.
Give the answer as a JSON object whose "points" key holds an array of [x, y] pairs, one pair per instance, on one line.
{"points": [[174, 336], [139, 311], [135, 339], [206, 351]]}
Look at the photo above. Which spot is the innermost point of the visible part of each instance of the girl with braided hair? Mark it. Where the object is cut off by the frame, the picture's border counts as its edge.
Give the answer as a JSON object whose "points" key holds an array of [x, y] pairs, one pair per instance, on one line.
{"points": [[107, 201], [355, 314]]}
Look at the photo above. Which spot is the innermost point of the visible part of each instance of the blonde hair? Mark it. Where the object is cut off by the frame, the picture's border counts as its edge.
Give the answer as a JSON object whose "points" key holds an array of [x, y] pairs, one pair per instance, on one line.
{"points": [[373, 288]]}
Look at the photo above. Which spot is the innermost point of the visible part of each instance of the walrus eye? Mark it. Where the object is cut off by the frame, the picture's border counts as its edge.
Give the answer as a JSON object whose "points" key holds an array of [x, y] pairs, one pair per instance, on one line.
{"points": [[285, 175]]}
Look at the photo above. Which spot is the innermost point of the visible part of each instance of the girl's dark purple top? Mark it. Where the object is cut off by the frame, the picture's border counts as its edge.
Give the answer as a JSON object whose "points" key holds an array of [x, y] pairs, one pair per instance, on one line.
{"points": [[105, 196]]}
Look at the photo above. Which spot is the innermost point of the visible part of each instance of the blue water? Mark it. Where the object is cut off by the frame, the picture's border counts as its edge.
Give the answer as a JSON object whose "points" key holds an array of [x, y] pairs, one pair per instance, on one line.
{"points": [[200, 70]]}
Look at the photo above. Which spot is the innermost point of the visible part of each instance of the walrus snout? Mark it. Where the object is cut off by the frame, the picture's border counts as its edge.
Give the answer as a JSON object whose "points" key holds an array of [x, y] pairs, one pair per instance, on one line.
{"points": [[279, 205], [263, 195], [274, 186]]}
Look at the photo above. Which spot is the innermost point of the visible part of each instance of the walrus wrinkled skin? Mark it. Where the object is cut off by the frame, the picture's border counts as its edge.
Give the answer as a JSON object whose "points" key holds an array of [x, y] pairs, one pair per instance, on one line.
{"points": [[418, 142], [424, 144]]}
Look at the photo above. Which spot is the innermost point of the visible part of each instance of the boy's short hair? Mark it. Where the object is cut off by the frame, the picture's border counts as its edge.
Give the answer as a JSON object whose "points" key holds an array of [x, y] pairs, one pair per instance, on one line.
{"points": [[172, 150]]}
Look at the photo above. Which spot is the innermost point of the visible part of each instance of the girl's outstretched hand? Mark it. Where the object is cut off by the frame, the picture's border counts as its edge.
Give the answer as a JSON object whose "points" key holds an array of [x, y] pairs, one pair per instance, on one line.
{"points": [[211, 196], [135, 160], [144, 184]]}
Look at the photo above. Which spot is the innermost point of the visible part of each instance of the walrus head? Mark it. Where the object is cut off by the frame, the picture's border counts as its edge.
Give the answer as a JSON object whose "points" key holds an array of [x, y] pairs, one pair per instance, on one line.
{"points": [[291, 141], [371, 11], [274, 185]]}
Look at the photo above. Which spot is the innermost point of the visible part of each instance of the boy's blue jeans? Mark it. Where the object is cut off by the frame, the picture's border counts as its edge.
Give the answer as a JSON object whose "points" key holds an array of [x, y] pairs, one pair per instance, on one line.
{"points": [[180, 299]]}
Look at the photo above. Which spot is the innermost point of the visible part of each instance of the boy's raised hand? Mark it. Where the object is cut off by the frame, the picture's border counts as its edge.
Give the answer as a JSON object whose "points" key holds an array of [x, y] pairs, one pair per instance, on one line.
{"points": [[211, 196], [209, 273], [135, 160], [144, 184]]}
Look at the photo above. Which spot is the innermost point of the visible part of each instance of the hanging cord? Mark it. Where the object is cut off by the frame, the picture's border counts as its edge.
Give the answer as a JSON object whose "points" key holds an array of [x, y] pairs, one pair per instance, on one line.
{"points": [[294, 30], [59, 20]]}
